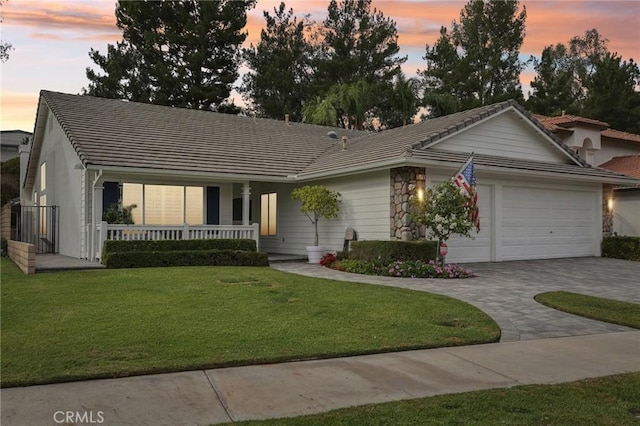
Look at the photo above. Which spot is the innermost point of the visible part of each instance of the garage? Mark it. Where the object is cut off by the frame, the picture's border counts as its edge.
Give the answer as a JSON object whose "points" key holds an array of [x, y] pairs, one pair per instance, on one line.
{"points": [[540, 223], [522, 221]]}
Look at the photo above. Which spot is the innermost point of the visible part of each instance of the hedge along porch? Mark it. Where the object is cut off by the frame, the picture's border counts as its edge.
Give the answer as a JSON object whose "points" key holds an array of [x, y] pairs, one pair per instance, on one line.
{"points": [[173, 208], [537, 198]]}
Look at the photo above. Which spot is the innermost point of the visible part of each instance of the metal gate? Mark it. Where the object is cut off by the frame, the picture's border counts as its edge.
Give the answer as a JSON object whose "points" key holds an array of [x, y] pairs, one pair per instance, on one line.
{"points": [[39, 225]]}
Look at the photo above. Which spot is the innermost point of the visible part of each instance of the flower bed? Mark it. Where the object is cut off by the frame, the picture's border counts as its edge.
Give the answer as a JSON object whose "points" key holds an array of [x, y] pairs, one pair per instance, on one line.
{"points": [[398, 268]]}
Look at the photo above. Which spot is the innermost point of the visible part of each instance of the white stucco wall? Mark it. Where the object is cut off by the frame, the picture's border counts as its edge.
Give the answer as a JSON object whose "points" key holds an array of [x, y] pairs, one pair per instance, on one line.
{"points": [[63, 186], [611, 148], [364, 207], [626, 212]]}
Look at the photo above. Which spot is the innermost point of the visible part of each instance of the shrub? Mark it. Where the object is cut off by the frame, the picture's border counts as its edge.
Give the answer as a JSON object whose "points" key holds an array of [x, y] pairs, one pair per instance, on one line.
{"points": [[121, 246], [621, 247], [389, 251], [328, 260], [404, 269], [146, 259]]}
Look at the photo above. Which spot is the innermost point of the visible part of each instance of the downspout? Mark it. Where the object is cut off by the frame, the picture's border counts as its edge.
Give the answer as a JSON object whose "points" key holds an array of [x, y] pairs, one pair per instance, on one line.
{"points": [[94, 216]]}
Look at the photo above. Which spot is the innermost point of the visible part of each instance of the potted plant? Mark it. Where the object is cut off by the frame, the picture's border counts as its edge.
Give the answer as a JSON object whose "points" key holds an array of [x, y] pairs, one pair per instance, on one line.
{"points": [[317, 202]]}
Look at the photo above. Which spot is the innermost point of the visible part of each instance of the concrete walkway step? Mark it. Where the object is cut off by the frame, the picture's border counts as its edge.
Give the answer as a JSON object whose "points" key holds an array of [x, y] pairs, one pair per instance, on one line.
{"points": [[297, 388]]}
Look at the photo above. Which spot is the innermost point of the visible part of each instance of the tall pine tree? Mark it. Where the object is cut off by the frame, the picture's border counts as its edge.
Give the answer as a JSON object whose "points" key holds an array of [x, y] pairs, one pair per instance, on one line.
{"points": [[477, 62], [180, 53], [277, 82], [583, 77]]}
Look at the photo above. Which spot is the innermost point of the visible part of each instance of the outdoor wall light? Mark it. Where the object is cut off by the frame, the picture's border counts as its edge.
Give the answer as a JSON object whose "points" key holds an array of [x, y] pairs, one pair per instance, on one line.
{"points": [[420, 193], [610, 205]]}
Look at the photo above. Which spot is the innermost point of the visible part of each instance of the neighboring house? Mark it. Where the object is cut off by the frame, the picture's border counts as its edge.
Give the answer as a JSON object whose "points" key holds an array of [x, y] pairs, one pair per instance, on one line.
{"points": [[626, 200], [10, 142], [537, 198], [610, 149]]}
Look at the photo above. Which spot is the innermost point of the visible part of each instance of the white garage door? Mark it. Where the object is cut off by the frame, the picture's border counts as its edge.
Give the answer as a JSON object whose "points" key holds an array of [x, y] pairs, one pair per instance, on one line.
{"points": [[545, 223]]}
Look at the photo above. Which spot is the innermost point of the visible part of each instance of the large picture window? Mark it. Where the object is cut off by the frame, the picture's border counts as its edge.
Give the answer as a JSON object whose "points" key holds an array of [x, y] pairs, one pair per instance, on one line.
{"points": [[164, 204], [268, 214]]}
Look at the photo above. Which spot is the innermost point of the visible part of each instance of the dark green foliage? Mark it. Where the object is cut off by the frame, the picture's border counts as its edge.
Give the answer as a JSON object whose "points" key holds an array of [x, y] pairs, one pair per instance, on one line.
{"points": [[358, 44], [179, 53], [339, 72], [4, 247], [356, 63], [148, 259], [10, 178], [613, 96], [389, 251], [118, 214], [584, 78], [280, 70], [112, 246], [402, 269], [555, 88], [621, 247], [477, 62]]}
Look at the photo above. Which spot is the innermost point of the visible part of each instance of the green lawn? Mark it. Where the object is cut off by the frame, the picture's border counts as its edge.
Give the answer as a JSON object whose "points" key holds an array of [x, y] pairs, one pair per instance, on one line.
{"points": [[109, 323], [598, 308], [613, 400]]}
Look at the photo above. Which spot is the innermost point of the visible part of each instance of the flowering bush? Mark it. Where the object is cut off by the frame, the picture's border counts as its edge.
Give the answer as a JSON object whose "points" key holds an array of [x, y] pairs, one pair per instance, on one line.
{"points": [[445, 211], [405, 269], [328, 260]]}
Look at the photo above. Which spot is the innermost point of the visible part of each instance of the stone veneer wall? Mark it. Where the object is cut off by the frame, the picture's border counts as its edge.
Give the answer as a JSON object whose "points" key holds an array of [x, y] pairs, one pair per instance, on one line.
{"points": [[403, 181], [607, 216]]}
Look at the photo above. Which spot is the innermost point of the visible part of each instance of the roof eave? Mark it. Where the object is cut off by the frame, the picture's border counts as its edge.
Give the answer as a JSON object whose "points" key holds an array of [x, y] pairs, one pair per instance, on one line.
{"points": [[218, 177], [36, 144]]}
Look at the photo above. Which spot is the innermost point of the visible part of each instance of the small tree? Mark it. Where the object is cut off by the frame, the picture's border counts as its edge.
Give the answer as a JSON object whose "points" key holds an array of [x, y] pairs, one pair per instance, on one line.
{"points": [[119, 214], [446, 210], [317, 202]]}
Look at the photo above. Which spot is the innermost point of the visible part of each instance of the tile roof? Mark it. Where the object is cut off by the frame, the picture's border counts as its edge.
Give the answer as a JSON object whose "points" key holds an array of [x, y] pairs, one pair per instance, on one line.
{"points": [[115, 133], [617, 134], [566, 120], [401, 141], [435, 156], [628, 165], [108, 132]]}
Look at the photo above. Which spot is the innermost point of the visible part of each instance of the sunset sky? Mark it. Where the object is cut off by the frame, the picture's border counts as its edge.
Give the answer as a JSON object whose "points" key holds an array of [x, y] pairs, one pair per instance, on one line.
{"points": [[52, 39]]}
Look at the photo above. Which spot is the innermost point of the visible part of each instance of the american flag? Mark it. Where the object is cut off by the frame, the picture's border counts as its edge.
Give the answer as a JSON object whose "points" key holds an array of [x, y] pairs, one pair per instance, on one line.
{"points": [[466, 178]]}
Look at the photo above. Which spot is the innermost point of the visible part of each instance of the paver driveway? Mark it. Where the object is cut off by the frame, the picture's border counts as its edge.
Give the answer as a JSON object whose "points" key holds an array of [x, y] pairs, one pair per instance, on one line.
{"points": [[505, 291]]}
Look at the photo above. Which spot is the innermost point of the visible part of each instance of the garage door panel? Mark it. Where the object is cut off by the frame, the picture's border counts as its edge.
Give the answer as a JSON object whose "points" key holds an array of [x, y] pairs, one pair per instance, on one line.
{"points": [[542, 223]]}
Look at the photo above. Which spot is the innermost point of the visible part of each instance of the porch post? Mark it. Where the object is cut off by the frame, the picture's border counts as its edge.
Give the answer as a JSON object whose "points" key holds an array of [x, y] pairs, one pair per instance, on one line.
{"points": [[96, 214], [246, 205]]}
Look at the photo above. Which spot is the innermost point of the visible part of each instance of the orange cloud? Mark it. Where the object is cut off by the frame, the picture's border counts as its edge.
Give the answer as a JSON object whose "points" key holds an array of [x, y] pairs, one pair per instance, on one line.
{"points": [[556, 22], [17, 110], [70, 16]]}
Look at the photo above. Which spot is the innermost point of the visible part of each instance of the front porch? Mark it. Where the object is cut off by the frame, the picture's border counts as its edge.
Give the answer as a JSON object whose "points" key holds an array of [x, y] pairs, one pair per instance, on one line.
{"points": [[106, 231]]}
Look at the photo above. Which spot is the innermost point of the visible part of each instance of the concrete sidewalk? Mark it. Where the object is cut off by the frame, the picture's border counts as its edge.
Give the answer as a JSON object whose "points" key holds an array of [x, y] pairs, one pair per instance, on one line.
{"points": [[297, 388]]}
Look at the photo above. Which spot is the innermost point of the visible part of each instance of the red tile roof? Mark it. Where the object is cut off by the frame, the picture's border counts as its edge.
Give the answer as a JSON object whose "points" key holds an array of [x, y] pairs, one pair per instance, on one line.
{"points": [[628, 165], [567, 119], [617, 134], [556, 124]]}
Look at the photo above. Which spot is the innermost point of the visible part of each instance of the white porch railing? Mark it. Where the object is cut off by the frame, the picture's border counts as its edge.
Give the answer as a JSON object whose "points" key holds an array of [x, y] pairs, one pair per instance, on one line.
{"points": [[105, 231]]}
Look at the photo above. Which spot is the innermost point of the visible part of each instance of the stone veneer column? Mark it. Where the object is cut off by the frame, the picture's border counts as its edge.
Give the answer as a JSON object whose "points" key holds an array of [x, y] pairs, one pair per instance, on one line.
{"points": [[607, 216], [403, 181]]}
